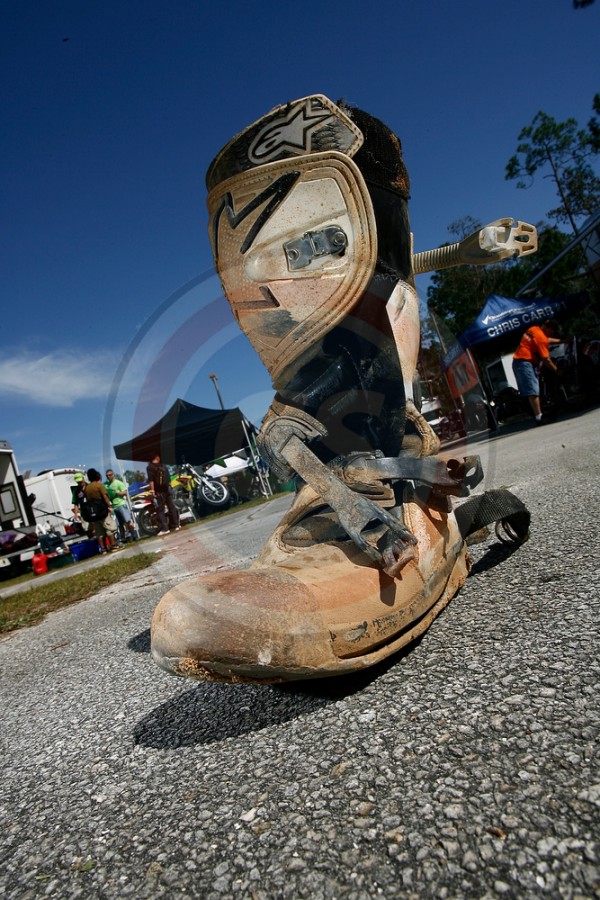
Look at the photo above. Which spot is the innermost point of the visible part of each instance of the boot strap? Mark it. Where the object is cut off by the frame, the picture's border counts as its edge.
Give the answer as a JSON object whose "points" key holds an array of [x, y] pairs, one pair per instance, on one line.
{"points": [[452, 477], [283, 439]]}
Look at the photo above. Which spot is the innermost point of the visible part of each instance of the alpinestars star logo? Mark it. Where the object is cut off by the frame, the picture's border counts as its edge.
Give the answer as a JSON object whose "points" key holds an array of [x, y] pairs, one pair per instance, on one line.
{"points": [[288, 134]]}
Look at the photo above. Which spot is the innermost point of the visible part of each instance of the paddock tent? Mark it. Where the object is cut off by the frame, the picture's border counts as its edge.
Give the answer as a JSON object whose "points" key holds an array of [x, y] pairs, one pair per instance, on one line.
{"points": [[502, 315], [188, 433]]}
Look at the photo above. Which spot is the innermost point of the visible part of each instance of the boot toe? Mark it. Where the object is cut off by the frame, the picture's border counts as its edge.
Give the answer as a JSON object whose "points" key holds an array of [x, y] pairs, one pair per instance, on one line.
{"points": [[241, 626]]}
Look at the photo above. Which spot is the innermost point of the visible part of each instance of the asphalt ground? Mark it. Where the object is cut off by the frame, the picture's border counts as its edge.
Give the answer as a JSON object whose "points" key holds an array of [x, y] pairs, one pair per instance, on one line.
{"points": [[466, 766]]}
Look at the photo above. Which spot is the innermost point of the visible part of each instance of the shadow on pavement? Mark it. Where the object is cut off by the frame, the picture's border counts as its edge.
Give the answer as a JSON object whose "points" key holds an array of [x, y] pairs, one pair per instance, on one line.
{"points": [[495, 554], [140, 643], [212, 712], [342, 686]]}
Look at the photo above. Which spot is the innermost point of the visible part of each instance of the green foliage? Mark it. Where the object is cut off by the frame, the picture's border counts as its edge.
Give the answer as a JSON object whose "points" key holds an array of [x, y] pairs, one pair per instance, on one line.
{"points": [[566, 150], [563, 278], [459, 294], [131, 476]]}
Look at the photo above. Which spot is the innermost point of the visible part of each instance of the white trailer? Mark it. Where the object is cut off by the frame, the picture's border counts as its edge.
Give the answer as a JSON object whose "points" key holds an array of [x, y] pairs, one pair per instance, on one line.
{"points": [[18, 537], [51, 499]]}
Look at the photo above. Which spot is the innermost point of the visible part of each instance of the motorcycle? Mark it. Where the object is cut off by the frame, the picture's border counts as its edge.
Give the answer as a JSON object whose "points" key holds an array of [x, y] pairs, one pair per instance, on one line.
{"points": [[143, 507], [191, 491], [195, 488], [145, 512], [479, 413], [509, 403]]}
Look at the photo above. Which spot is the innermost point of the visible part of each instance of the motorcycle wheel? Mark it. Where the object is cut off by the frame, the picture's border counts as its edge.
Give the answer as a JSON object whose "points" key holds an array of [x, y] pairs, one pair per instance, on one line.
{"points": [[183, 507], [254, 491], [476, 419], [214, 492], [147, 522]]}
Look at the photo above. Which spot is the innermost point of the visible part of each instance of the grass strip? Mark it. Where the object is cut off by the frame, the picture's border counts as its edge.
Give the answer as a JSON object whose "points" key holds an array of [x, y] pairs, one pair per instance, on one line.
{"points": [[31, 606]]}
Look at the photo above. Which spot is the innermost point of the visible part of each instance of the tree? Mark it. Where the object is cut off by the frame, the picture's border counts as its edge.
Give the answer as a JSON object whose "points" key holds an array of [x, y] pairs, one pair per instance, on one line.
{"points": [[563, 278], [458, 295], [566, 150], [131, 477]]}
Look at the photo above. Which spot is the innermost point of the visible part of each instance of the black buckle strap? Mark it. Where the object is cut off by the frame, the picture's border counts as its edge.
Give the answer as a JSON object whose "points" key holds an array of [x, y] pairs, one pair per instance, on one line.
{"points": [[499, 506], [354, 511], [283, 442]]}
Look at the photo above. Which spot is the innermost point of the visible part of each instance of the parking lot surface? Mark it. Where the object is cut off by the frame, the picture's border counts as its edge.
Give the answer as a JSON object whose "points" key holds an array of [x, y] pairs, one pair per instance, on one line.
{"points": [[466, 766]]}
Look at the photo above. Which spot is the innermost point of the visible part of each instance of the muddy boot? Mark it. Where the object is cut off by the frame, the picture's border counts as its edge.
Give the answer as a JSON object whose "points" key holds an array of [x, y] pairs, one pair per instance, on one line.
{"points": [[310, 234]]}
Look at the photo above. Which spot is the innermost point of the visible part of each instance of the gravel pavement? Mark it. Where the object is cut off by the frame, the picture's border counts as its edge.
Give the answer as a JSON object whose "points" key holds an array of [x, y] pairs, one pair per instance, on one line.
{"points": [[465, 767]]}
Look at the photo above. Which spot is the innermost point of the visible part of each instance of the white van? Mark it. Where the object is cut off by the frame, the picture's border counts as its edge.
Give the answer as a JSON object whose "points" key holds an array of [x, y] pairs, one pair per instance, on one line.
{"points": [[52, 501]]}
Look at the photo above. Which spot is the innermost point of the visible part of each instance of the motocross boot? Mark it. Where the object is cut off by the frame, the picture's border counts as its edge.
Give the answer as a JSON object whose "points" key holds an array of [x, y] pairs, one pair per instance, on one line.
{"points": [[310, 235]]}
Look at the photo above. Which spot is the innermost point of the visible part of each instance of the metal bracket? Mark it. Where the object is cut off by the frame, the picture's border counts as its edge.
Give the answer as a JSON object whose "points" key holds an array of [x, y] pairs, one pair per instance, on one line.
{"points": [[329, 241], [393, 549]]}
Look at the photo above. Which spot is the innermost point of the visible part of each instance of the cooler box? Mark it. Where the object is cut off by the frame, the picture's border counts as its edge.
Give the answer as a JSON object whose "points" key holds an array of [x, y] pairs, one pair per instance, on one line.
{"points": [[50, 542], [85, 550], [58, 561]]}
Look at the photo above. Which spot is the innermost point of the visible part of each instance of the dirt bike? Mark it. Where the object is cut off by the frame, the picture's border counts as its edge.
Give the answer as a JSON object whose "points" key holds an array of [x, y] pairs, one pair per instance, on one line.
{"points": [[146, 516], [509, 403], [144, 512], [479, 413], [190, 485]]}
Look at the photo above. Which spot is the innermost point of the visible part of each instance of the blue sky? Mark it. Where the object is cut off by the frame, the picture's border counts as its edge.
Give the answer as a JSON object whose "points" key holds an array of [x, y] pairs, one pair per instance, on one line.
{"points": [[111, 113]]}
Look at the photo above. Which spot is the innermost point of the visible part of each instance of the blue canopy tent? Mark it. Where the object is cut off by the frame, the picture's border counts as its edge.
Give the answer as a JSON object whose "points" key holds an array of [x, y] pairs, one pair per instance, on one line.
{"points": [[502, 315], [505, 315]]}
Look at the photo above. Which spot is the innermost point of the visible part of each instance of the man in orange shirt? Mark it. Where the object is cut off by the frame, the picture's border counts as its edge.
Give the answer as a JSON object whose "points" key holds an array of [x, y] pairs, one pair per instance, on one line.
{"points": [[534, 349]]}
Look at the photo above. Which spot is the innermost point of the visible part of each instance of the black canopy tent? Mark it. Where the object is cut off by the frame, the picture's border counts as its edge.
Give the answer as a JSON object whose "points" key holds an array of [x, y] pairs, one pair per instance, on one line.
{"points": [[188, 433]]}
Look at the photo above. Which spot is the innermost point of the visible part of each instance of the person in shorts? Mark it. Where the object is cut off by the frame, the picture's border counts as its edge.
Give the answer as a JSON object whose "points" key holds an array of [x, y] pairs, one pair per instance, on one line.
{"points": [[533, 349], [76, 493], [117, 494], [106, 529]]}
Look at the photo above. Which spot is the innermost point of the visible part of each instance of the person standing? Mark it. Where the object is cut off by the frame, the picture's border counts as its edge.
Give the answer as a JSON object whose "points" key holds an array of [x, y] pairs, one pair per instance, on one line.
{"points": [[105, 528], [77, 495], [117, 494], [533, 349], [159, 481]]}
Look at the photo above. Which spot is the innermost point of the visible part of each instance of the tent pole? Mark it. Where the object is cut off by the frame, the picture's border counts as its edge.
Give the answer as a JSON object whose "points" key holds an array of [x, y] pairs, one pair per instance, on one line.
{"points": [[264, 481]]}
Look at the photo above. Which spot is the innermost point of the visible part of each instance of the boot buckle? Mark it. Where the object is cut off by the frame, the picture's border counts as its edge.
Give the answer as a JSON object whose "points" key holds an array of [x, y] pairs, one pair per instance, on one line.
{"points": [[329, 241]]}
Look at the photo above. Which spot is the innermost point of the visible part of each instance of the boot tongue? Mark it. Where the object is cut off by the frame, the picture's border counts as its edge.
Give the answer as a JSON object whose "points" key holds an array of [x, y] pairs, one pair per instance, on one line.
{"points": [[320, 523], [320, 526]]}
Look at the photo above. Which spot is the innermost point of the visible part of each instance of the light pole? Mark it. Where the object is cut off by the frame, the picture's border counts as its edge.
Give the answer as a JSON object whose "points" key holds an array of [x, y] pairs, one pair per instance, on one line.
{"points": [[215, 381]]}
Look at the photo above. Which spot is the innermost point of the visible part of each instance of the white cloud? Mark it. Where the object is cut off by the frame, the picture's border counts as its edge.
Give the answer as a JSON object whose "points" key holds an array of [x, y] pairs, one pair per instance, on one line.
{"points": [[58, 379]]}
